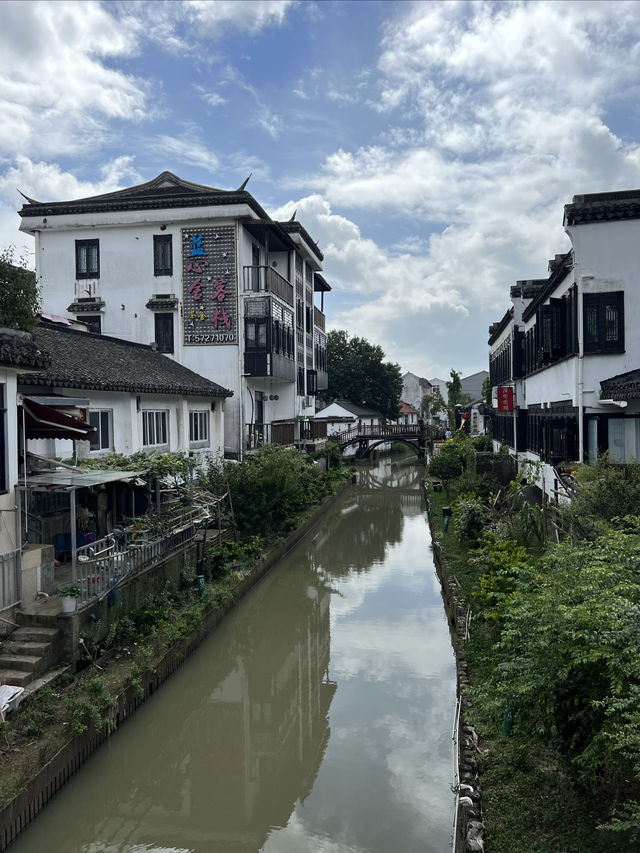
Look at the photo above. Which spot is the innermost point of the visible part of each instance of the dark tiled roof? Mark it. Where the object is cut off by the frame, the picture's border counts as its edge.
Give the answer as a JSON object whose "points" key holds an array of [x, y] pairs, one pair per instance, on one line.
{"points": [[358, 411], [603, 207], [18, 349], [495, 329], [559, 267], [527, 288], [295, 227], [97, 362], [624, 386], [165, 191]]}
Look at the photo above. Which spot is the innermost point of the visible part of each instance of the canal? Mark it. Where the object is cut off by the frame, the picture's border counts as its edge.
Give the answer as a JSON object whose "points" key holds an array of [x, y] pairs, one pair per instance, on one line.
{"points": [[316, 717]]}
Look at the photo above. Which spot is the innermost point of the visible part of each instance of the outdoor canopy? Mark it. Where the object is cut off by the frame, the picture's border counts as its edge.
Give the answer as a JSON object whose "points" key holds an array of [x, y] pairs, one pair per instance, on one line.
{"points": [[46, 422]]}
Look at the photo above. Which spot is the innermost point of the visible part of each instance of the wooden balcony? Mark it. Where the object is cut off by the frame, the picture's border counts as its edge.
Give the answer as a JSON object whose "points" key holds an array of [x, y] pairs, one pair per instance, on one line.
{"points": [[273, 364], [267, 280], [318, 318]]}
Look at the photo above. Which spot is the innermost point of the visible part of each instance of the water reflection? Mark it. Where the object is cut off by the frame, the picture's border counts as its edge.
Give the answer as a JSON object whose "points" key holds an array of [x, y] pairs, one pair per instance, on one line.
{"points": [[315, 718]]}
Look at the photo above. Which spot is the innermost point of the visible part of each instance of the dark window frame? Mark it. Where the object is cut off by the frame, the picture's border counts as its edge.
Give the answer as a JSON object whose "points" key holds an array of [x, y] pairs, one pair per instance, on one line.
{"points": [[164, 337], [93, 322], [103, 423], [599, 310], [162, 254], [83, 253]]}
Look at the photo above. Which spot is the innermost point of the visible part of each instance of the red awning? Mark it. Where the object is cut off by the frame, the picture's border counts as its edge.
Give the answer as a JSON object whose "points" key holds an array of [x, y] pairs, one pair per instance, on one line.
{"points": [[46, 422]]}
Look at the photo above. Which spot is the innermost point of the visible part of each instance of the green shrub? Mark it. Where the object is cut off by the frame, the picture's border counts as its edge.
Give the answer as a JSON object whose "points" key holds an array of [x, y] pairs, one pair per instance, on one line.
{"points": [[470, 519]]}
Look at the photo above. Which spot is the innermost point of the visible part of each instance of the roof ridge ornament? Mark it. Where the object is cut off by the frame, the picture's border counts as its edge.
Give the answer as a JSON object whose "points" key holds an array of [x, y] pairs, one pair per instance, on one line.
{"points": [[244, 183], [30, 200]]}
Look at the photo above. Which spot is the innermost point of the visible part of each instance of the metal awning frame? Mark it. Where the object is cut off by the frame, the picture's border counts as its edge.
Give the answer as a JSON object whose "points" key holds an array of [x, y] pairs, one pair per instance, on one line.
{"points": [[61, 480]]}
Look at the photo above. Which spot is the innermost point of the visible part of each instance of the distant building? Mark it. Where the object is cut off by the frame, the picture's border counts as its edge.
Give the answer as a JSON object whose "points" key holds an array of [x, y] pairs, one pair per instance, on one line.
{"points": [[414, 388]]}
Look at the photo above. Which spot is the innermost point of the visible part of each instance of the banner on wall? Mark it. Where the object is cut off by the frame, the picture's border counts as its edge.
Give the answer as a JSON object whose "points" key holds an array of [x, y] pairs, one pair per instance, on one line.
{"points": [[209, 286], [505, 398]]}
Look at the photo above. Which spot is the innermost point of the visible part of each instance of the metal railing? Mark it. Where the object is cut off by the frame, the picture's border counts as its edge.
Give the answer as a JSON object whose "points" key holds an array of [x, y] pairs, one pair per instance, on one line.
{"points": [[105, 564], [10, 578], [259, 279]]}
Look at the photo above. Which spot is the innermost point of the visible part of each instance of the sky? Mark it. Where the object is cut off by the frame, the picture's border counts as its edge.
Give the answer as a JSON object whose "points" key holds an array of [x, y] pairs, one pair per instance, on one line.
{"points": [[429, 148]]}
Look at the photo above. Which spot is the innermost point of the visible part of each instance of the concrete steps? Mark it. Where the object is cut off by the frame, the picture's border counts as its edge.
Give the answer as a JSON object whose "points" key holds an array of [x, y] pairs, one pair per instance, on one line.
{"points": [[27, 654]]}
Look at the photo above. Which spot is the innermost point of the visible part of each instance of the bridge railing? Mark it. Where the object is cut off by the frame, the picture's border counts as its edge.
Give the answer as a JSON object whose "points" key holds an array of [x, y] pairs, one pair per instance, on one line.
{"points": [[378, 431]]}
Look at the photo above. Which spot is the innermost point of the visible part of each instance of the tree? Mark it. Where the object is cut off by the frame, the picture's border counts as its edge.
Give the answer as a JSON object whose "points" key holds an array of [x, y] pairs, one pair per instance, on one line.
{"points": [[434, 403], [19, 295], [358, 373], [446, 465], [455, 397]]}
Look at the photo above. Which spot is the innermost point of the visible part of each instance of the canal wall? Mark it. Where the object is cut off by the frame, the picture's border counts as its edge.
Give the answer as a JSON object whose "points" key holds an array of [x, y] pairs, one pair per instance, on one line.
{"points": [[18, 814], [469, 832]]}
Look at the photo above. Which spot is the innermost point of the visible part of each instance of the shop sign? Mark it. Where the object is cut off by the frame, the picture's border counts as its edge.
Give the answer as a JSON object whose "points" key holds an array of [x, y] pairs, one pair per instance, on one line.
{"points": [[209, 285]]}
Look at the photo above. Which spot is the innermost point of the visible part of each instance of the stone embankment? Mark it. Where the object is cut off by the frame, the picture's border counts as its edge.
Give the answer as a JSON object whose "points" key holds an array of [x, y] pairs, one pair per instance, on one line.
{"points": [[469, 828]]}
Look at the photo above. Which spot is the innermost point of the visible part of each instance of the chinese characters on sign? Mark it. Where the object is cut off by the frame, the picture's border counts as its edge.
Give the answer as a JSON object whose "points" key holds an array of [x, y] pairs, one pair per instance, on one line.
{"points": [[209, 285], [505, 398]]}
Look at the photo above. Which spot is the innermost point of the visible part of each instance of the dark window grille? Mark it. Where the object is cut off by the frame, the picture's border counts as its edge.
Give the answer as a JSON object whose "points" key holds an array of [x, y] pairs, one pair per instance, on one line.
{"points": [[87, 259], [164, 332], [162, 254], [604, 322]]}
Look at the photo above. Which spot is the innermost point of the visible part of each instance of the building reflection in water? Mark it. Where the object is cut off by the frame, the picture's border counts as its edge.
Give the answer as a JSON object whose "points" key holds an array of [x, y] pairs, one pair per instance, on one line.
{"points": [[241, 745]]}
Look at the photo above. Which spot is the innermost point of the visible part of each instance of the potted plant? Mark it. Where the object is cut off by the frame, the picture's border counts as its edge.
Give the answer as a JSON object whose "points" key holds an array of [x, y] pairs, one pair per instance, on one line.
{"points": [[70, 595]]}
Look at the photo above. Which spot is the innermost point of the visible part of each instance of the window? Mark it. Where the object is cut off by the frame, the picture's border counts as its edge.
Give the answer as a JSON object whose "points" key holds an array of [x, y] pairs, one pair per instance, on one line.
{"points": [[101, 420], [154, 428], [3, 442], [164, 332], [604, 322], [198, 427], [87, 259], [92, 321], [255, 334], [162, 255], [624, 439]]}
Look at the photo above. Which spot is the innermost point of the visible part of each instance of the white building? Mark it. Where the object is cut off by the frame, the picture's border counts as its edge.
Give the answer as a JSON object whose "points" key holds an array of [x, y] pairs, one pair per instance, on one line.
{"points": [[135, 397], [208, 277], [414, 388], [565, 358]]}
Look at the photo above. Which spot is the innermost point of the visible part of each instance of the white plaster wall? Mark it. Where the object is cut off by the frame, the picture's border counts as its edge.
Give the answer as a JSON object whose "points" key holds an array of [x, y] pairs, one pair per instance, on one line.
{"points": [[9, 539], [606, 259], [126, 424]]}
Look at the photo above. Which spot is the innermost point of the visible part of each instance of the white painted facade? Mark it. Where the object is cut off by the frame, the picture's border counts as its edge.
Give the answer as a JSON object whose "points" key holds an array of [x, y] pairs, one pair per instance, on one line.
{"points": [[559, 404], [124, 421], [126, 283]]}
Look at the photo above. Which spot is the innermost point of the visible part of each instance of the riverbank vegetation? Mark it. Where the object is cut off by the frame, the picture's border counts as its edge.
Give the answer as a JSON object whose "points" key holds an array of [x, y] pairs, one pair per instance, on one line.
{"points": [[554, 654], [272, 494]]}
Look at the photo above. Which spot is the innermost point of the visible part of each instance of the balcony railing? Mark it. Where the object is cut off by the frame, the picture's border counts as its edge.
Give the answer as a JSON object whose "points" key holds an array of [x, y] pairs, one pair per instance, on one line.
{"points": [[106, 563], [266, 279], [284, 432], [318, 318], [10, 577]]}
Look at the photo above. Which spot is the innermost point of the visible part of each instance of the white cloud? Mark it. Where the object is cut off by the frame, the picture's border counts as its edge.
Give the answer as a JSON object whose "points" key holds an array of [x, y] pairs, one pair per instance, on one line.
{"points": [[48, 182], [212, 19], [497, 118], [185, 149], [56, 90]]}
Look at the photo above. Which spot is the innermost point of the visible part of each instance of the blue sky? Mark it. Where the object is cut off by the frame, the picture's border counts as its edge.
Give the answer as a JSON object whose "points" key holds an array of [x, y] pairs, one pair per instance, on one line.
{"points": [[428, 147]]}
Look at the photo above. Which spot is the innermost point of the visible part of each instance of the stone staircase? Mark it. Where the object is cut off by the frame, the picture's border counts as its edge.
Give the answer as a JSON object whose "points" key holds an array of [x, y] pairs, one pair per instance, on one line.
{"points": [[28, 653]]}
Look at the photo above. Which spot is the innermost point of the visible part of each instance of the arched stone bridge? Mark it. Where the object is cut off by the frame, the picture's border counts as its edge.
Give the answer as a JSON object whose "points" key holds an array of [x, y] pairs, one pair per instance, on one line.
{"points": [[368, 438]]}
